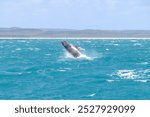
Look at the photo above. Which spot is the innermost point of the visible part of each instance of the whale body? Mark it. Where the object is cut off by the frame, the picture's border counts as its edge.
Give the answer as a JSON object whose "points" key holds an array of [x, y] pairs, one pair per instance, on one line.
{"points": [[73, 50]]}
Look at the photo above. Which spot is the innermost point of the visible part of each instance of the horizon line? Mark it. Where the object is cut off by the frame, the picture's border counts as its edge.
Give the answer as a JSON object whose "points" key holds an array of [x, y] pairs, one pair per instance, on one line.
{"points": [[74, 29]]}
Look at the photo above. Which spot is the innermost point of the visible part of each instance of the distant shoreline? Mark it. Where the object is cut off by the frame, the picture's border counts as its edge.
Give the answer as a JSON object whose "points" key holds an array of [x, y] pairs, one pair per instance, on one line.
{"points": [[82, 38], [30, 33]]}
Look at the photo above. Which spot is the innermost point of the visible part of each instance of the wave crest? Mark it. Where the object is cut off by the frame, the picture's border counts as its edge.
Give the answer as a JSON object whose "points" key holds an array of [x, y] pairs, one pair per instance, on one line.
{"points": [[133, 74]]}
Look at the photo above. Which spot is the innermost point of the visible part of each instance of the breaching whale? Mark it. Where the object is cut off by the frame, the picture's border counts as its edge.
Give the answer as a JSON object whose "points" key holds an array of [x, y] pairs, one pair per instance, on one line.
{"points": [[72, 49]]}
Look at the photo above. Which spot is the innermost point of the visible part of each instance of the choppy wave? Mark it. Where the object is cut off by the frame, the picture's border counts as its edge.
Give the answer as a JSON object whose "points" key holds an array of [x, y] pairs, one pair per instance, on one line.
{"points": [[61, 70], [144, 63], [13, 73], [107, 49], [110, 80], [133, 40], [143, 81], [1, 47], [116, 44], [107, 69], [137, 44], [133, 74], [22, 41], [33, 49], [126, 74], [18, 49]]}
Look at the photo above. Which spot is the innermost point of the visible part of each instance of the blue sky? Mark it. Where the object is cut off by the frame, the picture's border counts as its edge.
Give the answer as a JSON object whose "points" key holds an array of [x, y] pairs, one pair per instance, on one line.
{"points": [[76, 14]]}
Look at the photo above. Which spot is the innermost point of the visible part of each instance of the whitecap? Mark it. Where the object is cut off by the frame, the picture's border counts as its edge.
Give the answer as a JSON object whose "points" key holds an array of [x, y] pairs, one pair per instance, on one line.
{"points": [[116, 44], [10, 73], [18, 49], [146, 71], [22, 41], [1, 47], [144, 81], [19, 73], [88, 41], [107, 49], [30, 49], [137, 44], [10, 42], [48, 54], [110, 80], [33, 49], [144, 63], [37, 49], [133, 74], [127, 74], [68, 69], [133, 40], [61, 70], [78, 42], [27, 41], [91, 95]]}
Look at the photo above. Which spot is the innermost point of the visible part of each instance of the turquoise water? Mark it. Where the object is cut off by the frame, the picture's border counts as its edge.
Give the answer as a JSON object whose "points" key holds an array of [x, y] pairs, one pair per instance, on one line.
{"points": [[42, 69]]}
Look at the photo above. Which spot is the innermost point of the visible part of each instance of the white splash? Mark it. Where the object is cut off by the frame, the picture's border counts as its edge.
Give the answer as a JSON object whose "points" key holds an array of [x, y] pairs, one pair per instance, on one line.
{"points": [[127, 74], [82, 56]]}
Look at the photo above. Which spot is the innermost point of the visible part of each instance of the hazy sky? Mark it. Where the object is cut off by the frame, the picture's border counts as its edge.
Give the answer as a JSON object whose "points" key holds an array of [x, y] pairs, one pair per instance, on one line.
{"points": [[76, 14]]}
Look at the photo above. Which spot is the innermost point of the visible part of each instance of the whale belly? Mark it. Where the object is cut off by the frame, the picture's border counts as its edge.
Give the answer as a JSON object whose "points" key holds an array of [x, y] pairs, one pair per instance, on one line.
{"points": [[74, 52]]}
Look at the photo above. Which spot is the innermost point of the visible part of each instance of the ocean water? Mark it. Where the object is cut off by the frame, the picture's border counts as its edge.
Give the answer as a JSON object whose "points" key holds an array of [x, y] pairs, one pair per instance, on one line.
{"points": [[42, 69]]}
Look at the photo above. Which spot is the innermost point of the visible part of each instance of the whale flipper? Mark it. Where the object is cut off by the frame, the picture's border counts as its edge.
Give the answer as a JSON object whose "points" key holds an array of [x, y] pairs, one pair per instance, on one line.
{"points": [[79, 48]]}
